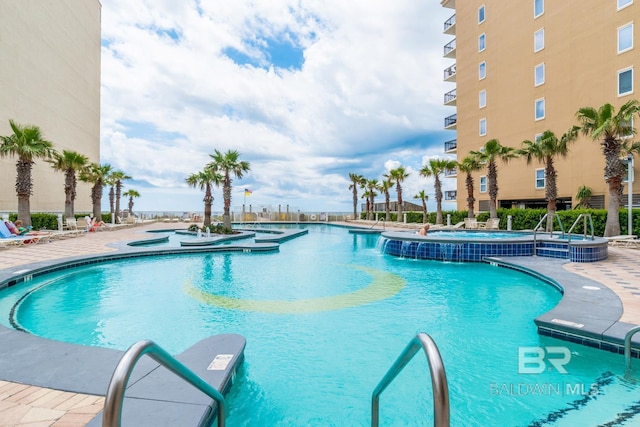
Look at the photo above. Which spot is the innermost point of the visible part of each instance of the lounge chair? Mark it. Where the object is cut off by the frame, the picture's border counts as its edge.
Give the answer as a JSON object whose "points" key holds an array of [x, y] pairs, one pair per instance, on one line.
{"points": [[10, 239], [458, 225], [493, 224], [620, 240], [470, 223]]}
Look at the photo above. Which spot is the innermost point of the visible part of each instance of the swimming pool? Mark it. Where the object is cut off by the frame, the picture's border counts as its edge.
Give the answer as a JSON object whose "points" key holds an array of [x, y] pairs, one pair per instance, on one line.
{"points": [[317, 362]]}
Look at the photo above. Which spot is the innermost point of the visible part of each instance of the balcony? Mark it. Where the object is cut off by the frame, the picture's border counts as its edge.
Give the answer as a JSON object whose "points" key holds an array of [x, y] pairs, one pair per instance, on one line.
{"points": [[449, 4], [450, 97], [450, 74], [450, 147], [451, 121], [450, 49], [450, 26], [450, 173], [451, 195]]}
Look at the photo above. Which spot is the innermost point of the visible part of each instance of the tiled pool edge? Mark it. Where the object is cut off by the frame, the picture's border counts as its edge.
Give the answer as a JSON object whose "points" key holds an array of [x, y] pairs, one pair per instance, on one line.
{"points": [[588, 312]]}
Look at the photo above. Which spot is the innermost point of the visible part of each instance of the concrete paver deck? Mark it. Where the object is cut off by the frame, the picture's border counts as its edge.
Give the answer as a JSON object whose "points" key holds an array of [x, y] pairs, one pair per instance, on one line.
{"points": [[25, 405]]}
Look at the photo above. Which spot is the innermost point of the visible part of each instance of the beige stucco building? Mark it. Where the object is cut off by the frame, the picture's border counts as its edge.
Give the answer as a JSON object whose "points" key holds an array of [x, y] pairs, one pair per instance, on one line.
{"points": [[50, 77], [520, 68]]}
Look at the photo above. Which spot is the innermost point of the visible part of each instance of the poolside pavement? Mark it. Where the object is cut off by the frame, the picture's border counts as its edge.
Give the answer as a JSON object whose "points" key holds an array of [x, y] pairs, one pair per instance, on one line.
{"points": [[25, 405]]}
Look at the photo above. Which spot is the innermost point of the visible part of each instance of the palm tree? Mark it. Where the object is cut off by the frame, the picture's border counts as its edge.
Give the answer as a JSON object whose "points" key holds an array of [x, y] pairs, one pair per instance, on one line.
{"points": [[70, 163], [609, 128], [27, 144], [545, 149], [435, 168], [469, 165], [116, 179], [365, 196], [584, 197], [97, 175], [422, 195], [372, 185], [399, 175], [131, 193], [491, 153], [228, 164], [356, 181], [204, 179], [385, 186]]}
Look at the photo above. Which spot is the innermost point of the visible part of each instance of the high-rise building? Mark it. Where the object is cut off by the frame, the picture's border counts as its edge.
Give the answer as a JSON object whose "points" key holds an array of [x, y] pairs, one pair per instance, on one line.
{"points": [[523, 67], [50, 77]]}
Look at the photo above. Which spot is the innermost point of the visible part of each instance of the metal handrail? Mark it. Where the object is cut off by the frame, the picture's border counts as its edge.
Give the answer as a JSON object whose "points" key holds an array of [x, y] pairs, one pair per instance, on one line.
{"points": [[584, 217], [377, 221], [438, 379], [627, 344], [542, 220], [112, 412]]}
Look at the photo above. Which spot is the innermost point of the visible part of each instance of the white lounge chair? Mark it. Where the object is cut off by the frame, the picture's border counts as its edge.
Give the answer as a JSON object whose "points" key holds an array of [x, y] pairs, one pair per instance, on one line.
{"points": [[470, 223], [627, 241]]}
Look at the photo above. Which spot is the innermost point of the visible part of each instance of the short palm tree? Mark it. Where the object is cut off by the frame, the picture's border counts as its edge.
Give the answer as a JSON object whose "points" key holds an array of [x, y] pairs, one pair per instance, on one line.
{"points": [[545, 150], [356, 181], [491, 153], [116, 179], [422, 195], [228, 164], [435, 168], [131, 194], [70, 163], [608, 127], [97, 175], [27, 144], [398, 175], [365, 196], [583, 196], [372, 186], [385, 186], [204, 180], [469, 165]]}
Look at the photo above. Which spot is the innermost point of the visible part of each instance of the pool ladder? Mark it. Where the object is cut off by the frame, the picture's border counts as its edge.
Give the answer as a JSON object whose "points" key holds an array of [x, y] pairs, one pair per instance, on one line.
{"points": [[439, 384]]}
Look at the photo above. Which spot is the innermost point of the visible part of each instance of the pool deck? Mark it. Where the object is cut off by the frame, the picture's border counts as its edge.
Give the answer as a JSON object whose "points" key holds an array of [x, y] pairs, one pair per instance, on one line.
{"points": [[22, 404]]}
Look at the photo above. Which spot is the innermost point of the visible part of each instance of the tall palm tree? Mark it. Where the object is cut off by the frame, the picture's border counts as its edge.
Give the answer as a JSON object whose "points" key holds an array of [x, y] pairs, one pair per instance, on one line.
{"points": [[609, 127], [27, 144], [399, 175], [365, 196], [385, 186], [131, 193], [204, 179], [435, 168], [422, 195], [545, 150], [356, 181], [228, 164], [372, 186], [116, 179], [70, 163], [491, 153], [96, 174], [468, 165]]}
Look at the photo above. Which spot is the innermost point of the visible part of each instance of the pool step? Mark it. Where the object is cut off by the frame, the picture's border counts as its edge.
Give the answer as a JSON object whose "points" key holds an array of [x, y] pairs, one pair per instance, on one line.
{"points": [[552, 250]]}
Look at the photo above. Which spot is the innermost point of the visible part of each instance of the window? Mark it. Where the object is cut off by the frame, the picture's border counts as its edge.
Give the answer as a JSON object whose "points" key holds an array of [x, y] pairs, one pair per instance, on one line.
{"points": [[483, 127], [540, 109], [482, 42], [625, 82], [483, 184], [538, 8], [538, 40], [482, 70], [625, 38], [482, 99], [481, 14], [538, 137], [539, 75], [627, 129], [624, 3], [540, 178]]}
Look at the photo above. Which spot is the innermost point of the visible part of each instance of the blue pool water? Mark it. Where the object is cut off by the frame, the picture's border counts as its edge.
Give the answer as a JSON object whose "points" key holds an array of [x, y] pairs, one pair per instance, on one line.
{"points": [[316, 364]]}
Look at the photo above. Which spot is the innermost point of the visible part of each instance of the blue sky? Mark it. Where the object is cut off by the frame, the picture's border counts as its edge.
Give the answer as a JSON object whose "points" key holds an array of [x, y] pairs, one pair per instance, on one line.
{"points": [[307, 92]]}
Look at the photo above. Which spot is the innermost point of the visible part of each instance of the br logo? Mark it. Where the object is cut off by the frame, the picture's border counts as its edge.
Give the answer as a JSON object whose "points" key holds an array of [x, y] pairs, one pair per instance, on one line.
{"points": [[534, 360]]}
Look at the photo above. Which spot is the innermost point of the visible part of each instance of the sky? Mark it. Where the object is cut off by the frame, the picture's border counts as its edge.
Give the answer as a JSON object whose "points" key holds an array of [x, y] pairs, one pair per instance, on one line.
{"points": [[307, 91]]}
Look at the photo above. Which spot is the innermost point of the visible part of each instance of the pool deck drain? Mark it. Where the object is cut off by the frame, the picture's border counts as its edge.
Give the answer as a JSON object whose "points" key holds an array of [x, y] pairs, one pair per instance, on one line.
{"points": [[27, 405]]}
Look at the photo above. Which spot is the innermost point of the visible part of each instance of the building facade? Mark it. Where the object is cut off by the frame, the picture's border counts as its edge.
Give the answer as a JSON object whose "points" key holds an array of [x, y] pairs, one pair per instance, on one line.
{"points": [[521, 68], [50, 51]]}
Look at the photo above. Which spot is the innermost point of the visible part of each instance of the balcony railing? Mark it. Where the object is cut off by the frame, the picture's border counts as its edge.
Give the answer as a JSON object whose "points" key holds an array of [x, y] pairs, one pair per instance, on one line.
{"points": [[450, 173], [449, 48], [450, 96], [451, 195], [450, 72], [451, 120], [449, 23], [451, 145]]}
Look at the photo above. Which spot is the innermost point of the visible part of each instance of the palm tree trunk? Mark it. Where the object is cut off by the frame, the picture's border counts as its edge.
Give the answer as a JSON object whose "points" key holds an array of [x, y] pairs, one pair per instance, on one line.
{"points": [[96, 198], [118, 195], [492, 177], [438, 186], [612, 227], [470, 198], [226, 193], [68, 192], [208, 201], [424, 211], [111, 203], [387, 216], [355, 202], [23, 191], [399, 188]]}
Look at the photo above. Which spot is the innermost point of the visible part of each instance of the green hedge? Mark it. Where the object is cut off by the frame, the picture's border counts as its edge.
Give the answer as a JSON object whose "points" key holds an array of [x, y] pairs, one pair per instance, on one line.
{"points": [[49, 221]]}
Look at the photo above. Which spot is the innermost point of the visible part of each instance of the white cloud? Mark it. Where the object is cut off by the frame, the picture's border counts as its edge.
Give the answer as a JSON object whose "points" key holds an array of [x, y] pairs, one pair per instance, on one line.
{"points": [[369, 93]]}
